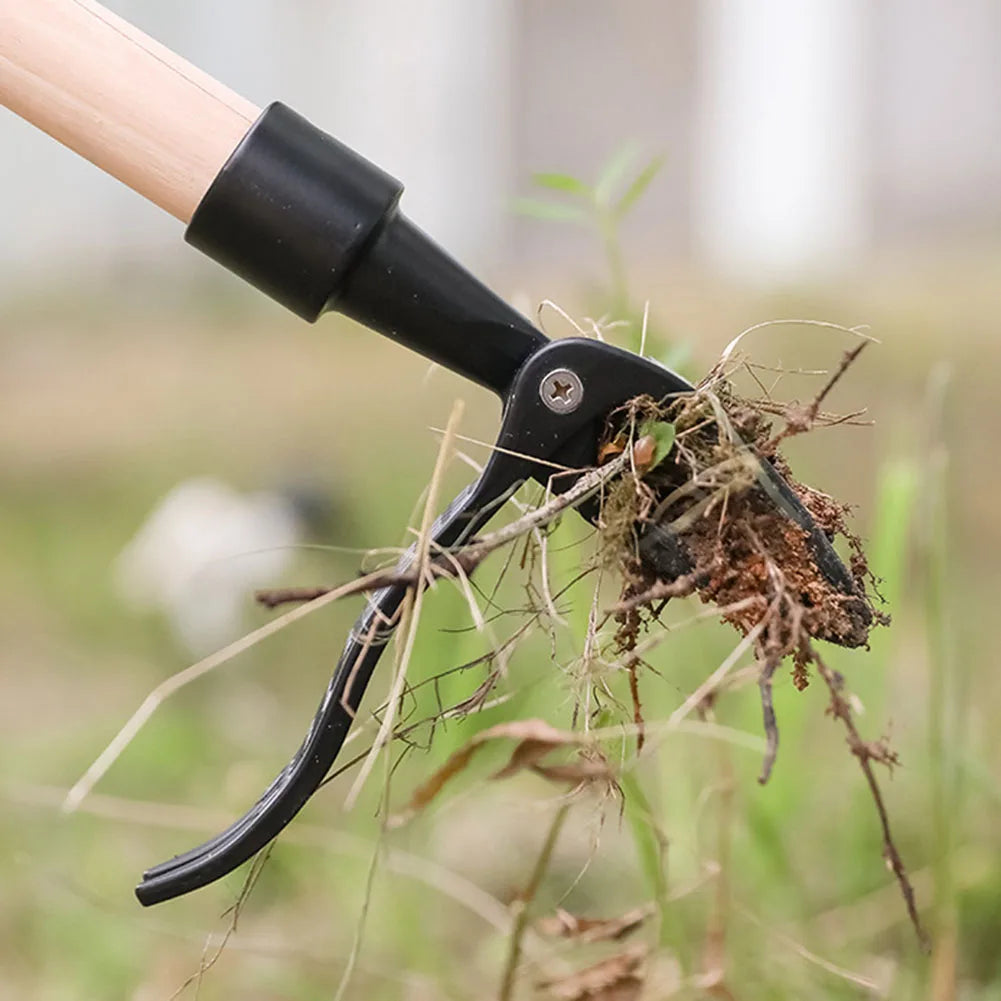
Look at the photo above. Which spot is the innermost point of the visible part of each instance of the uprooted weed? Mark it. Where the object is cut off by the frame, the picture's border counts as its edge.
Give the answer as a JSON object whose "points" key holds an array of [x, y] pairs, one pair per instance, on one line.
{"points": [[712, 520], [703, 503], [695, 500]]}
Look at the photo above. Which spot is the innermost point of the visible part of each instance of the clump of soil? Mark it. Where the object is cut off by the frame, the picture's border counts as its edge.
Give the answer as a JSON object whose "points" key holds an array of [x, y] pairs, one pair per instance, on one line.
{"points": [[723, 517], [759, 556]]}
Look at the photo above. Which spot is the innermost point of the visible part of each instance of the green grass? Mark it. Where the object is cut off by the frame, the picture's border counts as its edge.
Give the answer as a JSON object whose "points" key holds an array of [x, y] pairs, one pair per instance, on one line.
{"points": [[803, 870]]}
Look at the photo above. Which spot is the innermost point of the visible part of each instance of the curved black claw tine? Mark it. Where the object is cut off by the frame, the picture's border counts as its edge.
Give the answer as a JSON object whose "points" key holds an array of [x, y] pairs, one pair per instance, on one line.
{"points": [[286, 796], [531, 432]]}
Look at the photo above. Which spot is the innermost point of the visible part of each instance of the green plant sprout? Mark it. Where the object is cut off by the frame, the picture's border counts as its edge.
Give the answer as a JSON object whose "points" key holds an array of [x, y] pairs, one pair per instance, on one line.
{"points": [[601, 207]]}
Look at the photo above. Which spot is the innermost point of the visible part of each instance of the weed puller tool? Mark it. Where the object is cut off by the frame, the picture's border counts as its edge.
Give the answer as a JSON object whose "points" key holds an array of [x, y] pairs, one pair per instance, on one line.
{"points": [[318, 228]]}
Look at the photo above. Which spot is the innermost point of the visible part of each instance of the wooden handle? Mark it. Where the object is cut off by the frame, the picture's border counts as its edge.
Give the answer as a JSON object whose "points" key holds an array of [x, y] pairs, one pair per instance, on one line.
{"points": [[122, 100]]}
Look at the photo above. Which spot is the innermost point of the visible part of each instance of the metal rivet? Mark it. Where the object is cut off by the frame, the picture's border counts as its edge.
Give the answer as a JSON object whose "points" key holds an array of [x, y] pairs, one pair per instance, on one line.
{"points": [[562, 391]]}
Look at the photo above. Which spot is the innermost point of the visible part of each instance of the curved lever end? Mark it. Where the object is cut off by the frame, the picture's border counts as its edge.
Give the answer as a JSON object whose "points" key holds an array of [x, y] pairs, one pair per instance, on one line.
{"points": [[289, 792]]}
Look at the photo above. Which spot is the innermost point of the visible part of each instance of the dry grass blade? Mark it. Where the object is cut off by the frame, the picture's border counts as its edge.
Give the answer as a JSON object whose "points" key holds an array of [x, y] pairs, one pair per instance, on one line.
{"points": [[709, 686], [866, 983], [586, 486], [524, 903], [412, 604], [535, 737], [207, 960], [720, 369], [618, 978], [177, 816], [563, 924], [165, 689], [527, 754], [466, 558], [494, 447]]}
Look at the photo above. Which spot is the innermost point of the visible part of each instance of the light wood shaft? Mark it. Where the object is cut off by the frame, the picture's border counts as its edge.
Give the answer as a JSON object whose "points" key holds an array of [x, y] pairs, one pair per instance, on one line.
{"points": [[118, 98]]}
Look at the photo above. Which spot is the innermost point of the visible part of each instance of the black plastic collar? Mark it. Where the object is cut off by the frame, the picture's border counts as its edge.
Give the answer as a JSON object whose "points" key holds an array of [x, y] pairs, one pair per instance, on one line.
{"points": [[316, 227]]}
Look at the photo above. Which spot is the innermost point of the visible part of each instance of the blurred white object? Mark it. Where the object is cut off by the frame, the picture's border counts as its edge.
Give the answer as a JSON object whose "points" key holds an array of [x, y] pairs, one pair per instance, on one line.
{"points": [[202, 552], [425, 91], [781, 171]]}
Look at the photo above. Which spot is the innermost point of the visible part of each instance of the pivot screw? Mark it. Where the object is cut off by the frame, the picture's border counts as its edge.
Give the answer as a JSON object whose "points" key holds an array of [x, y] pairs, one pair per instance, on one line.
{"points": [[562, 391]]}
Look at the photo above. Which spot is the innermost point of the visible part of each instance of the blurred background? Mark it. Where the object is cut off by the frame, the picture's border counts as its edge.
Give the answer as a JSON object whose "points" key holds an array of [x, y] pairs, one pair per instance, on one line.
{"points": [[832, 160]]}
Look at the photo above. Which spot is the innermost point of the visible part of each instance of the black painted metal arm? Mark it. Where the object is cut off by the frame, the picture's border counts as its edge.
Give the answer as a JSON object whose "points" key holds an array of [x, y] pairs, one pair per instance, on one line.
{"points": [[530, 430], [289, 792]]}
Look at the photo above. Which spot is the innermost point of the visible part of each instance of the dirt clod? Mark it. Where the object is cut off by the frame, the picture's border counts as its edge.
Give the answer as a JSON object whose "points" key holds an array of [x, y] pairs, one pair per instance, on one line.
{"points": [[725, 513]]}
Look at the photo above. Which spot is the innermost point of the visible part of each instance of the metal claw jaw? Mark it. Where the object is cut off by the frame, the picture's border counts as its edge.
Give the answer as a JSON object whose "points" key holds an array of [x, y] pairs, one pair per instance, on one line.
{"points": [[554, 413], [535, 426]]}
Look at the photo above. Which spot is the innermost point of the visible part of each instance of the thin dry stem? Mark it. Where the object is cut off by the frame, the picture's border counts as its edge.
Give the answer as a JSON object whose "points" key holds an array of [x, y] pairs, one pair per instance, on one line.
{"points": [[207, 962], [866, 753], [524, 903], [803, 952], [412, 603], [79, 791], [799, 420], [765, 679]]}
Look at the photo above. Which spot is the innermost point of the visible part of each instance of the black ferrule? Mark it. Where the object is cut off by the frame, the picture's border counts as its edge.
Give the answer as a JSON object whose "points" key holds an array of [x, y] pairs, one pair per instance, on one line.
{"points": [[291, 210], [315, 226]]}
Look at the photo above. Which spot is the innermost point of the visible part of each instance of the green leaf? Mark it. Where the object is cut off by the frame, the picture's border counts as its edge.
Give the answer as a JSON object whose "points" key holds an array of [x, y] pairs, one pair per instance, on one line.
{"points": [[649, 848], [663, 433], [563, 182], [551, 211], [612, 174], [677, 356], [640, 184], [897, 499]]}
